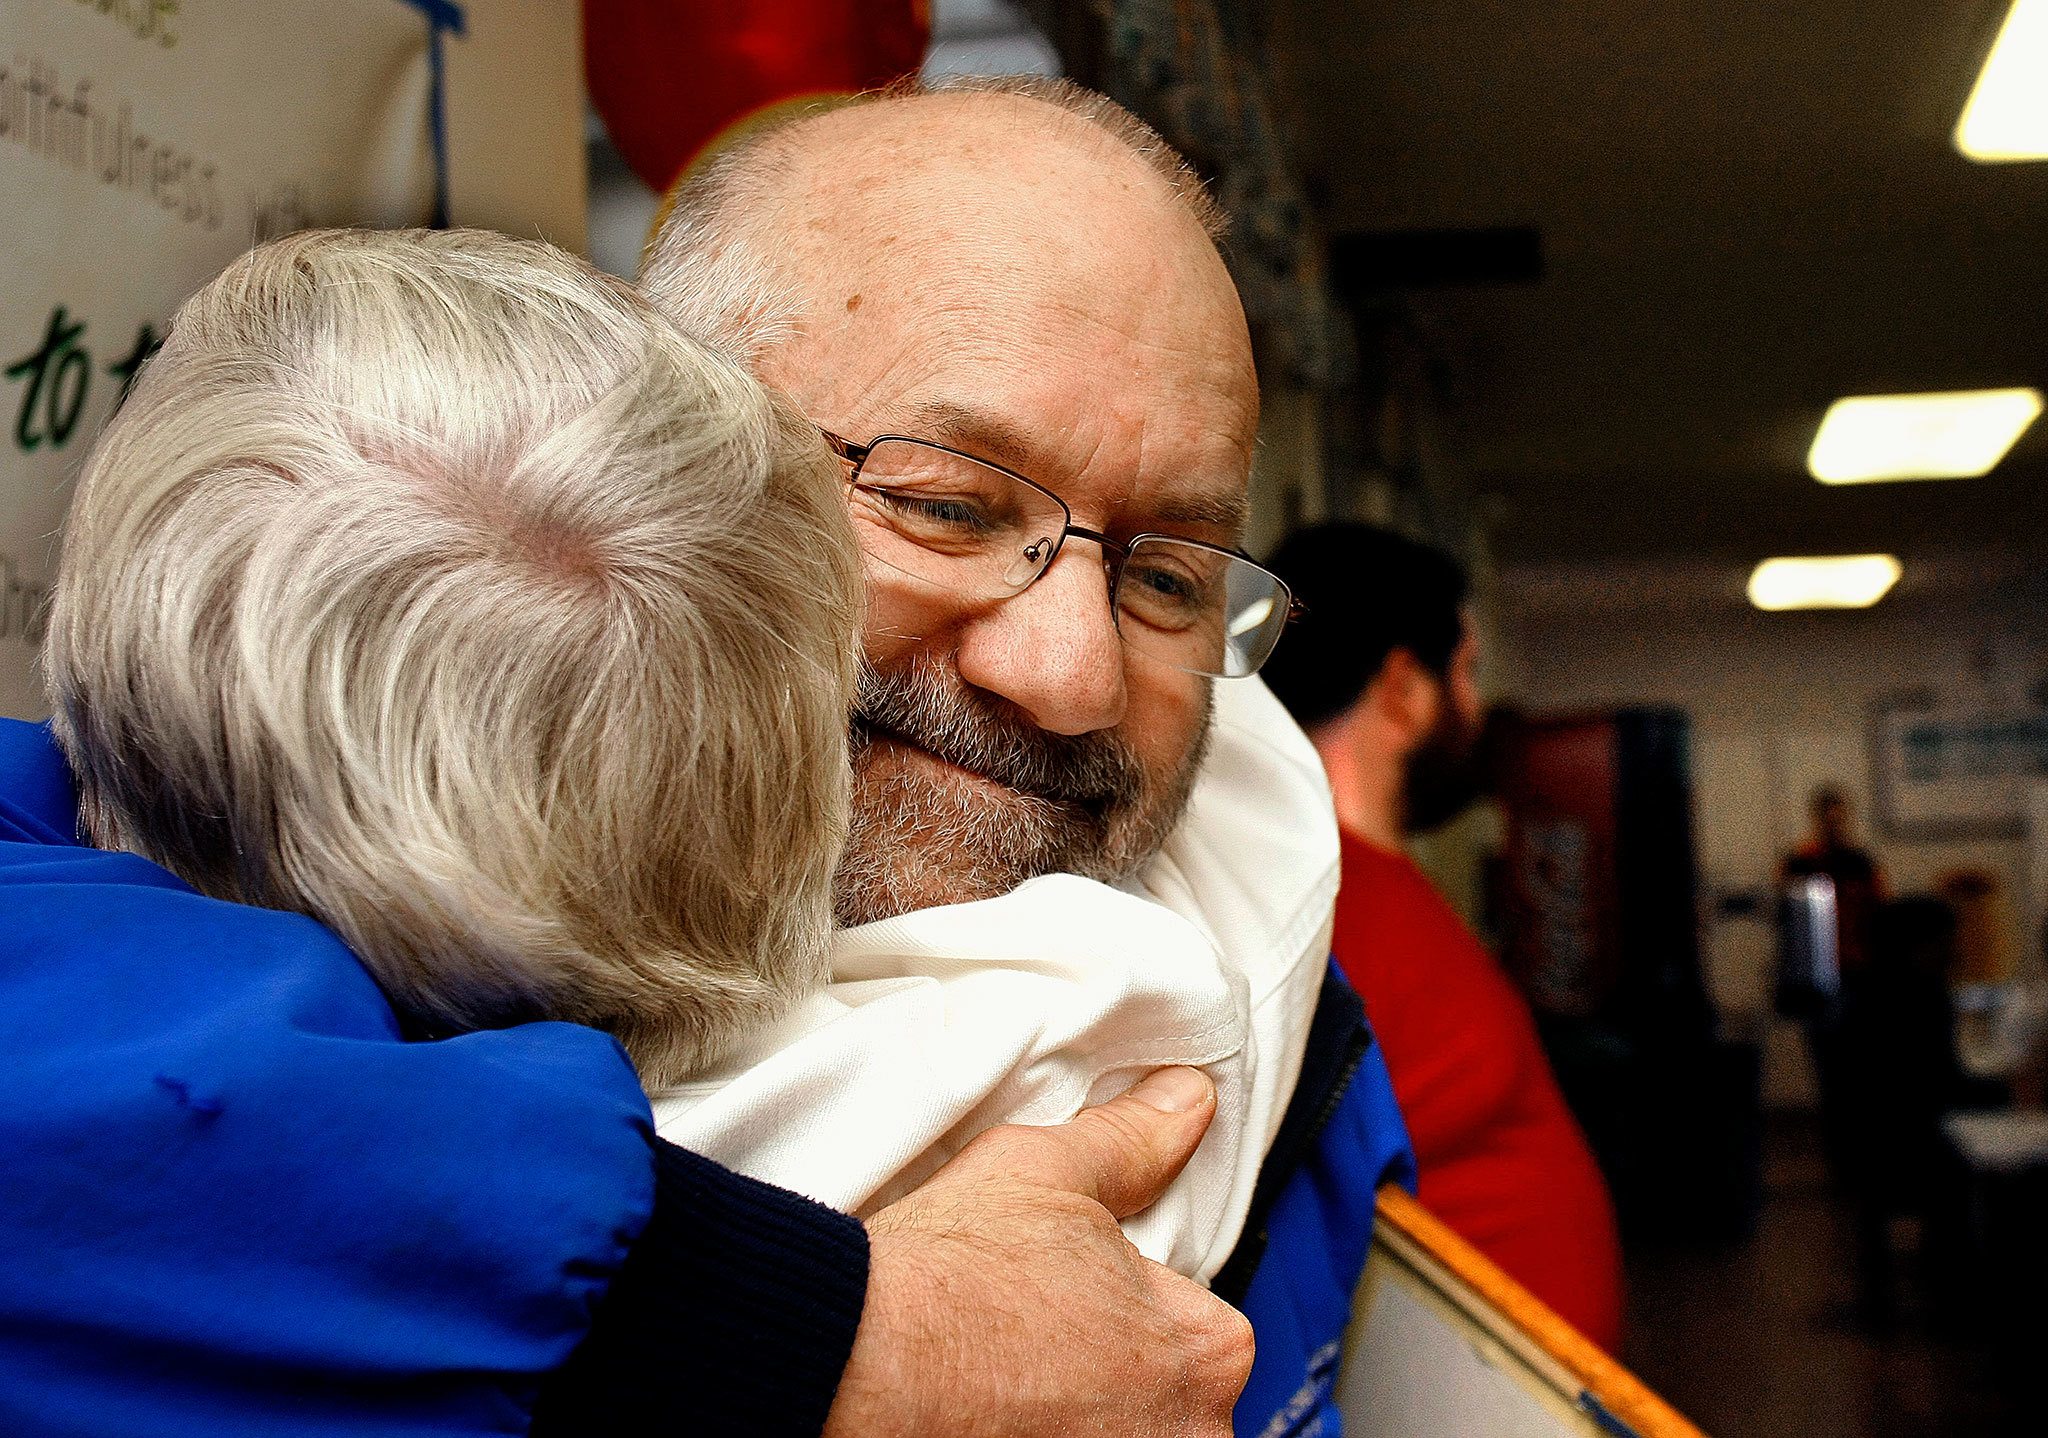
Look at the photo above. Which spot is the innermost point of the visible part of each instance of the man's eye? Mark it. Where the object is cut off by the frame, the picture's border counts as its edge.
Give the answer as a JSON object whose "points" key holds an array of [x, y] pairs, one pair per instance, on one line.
{"points": [[1163, 596], [1167, 584], [935, 511], [944, 522], [946, 511]]}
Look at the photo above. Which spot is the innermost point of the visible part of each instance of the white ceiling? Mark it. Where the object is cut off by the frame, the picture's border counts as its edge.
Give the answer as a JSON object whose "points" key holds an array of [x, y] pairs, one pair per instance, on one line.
{"points": [[1748, 210]]}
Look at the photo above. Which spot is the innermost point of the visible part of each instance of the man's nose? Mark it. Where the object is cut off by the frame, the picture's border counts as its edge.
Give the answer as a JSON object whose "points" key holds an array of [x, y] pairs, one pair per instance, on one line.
{"points": [[1053, 650]]}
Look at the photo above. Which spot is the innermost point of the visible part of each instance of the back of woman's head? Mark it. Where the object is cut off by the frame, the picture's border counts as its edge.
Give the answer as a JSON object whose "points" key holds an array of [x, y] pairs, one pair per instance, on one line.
{"points": [[431, 584]]}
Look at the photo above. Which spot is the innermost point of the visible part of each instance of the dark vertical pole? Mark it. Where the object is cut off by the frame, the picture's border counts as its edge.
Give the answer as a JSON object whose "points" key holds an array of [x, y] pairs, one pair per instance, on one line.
{"points": [[444, 18]]}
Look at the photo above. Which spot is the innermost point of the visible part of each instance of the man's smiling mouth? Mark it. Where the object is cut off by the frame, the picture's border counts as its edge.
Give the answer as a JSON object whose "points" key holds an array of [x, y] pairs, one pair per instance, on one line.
{"points": [[931, 758], [872, 736]]}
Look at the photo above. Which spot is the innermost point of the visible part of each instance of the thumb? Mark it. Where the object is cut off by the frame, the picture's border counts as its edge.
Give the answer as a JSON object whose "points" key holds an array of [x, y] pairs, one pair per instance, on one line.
{"points": [[1125, 1152]]}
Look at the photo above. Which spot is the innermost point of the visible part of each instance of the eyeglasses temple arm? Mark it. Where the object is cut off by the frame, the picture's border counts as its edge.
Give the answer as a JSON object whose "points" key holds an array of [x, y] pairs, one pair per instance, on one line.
{"points": [[846, 449]]}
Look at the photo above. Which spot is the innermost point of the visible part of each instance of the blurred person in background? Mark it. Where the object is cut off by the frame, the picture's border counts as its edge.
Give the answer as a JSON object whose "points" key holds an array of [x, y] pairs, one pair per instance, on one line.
{"points": [[1831, 850], [1380, 669]]}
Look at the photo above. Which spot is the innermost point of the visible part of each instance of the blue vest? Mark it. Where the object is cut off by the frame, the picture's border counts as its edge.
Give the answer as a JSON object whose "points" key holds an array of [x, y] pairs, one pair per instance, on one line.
{"points": [[1311, 1222]]}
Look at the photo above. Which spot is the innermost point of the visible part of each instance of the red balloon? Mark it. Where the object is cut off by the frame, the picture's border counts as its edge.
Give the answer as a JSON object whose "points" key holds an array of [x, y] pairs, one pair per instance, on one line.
{"points": [[669, 76]]}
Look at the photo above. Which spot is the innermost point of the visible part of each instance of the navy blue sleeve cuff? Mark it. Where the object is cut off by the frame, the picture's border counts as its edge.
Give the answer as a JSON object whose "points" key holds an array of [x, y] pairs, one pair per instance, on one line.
{"points": [[734, 1312]]}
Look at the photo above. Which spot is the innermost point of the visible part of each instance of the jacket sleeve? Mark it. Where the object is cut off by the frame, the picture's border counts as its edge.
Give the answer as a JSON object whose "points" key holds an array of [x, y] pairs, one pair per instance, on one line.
{"points": [[735, 1309], [236, 1200]]}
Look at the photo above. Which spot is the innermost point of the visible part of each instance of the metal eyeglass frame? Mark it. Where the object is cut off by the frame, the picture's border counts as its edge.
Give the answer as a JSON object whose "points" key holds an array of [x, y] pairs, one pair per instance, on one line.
{"points": [[1115, 553]]}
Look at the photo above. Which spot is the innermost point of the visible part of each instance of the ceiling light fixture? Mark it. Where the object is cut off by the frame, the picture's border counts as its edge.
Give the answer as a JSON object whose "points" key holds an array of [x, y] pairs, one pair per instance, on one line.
{"points": [[1834, 581], [2006, 117], [1960, 434]]}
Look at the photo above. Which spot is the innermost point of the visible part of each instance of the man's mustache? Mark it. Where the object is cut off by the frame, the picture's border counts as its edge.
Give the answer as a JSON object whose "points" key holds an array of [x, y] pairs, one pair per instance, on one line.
{"points": [[918, 704]]}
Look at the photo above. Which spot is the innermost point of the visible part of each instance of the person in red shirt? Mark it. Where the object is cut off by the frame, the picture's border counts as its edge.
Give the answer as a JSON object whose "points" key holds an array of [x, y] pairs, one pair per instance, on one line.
{"points": [[1380, 672]]}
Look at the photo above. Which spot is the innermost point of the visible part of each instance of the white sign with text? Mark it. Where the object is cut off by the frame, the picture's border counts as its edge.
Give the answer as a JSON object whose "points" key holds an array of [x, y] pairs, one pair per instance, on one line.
{"points": [[144, 143]]}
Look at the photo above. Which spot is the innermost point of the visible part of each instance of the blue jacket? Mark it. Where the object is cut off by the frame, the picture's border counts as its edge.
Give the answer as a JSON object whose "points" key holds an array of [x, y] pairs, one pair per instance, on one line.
{"points": [[234, 1201], [1311, 1222]]}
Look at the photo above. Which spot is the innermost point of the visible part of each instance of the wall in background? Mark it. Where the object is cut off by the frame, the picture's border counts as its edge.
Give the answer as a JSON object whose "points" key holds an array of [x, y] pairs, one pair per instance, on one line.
{"points": [[1779, 703], [142, 148]]}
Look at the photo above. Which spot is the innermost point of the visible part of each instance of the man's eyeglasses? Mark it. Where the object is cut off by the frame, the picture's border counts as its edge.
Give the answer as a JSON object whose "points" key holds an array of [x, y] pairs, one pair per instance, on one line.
{"points": [[986, 533]]}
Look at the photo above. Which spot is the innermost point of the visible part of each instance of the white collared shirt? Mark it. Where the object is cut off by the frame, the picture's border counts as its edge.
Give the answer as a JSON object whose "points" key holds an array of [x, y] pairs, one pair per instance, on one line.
{"points": [[940, 1024]]}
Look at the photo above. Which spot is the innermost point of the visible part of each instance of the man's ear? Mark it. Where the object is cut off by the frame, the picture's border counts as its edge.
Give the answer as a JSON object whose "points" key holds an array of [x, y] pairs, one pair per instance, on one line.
{"points": [[1407, 696]]}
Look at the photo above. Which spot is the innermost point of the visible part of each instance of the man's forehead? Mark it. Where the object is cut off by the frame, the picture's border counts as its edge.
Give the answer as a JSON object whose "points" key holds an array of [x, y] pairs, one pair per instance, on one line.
{"points": [[863, 190], [996, 274], [1200, 494]]}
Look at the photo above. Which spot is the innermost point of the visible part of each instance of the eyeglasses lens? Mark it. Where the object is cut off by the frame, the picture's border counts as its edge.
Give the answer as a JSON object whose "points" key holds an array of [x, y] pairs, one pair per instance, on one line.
{"points": [[1198, 608], [953, 521], [971, 529]]}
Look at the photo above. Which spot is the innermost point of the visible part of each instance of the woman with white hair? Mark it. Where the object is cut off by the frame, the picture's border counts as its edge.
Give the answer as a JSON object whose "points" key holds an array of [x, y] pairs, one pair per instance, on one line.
{"points": [[424, 581], [432, 587]]}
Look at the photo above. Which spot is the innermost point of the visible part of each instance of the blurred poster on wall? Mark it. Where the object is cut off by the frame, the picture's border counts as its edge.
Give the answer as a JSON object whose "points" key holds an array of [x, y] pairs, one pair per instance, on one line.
{"points": [[144, 143], [1957, 770]]}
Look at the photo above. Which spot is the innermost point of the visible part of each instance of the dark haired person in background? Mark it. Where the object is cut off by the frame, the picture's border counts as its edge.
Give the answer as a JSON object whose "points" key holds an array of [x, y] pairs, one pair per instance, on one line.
{"points": [[1380, 672]]}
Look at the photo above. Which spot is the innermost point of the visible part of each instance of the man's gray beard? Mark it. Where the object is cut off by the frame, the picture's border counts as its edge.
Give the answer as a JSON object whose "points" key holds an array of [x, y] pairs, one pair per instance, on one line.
{"points": [[1066, 803]]}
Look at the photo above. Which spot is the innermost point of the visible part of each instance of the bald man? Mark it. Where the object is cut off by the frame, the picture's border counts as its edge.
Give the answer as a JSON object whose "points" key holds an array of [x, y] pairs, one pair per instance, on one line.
{"points": [[1004, 275], [1004, 305]]}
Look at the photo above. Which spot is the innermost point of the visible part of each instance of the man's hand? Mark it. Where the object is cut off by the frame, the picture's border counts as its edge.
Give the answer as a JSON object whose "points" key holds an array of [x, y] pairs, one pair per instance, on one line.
{"points": [[1004, 1301]]}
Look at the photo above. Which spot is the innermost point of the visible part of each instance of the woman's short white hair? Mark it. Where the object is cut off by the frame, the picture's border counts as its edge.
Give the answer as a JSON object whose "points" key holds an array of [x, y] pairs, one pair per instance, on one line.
{"points": [[433, 585]]}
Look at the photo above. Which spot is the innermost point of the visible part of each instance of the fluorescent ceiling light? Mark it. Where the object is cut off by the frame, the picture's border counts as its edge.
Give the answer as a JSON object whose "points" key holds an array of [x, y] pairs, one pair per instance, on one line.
{"points": [[2007, 114], [1957, 435], [1835, 581]]}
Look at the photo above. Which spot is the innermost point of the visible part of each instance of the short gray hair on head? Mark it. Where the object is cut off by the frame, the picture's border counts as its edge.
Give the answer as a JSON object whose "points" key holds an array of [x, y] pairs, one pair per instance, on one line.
{"points": [[1106, 115], [712, 262], [433, 585]]}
